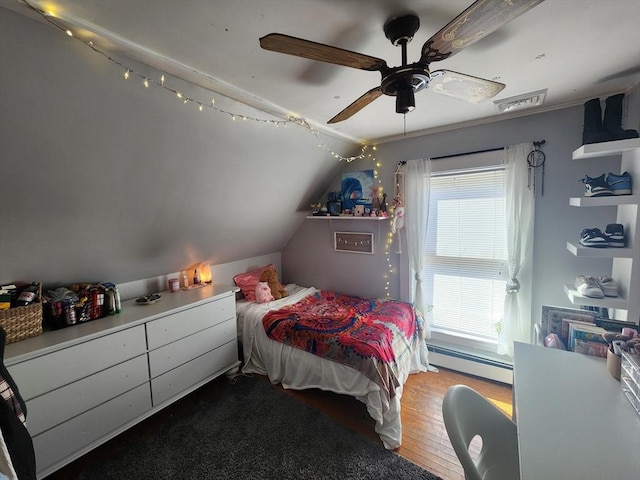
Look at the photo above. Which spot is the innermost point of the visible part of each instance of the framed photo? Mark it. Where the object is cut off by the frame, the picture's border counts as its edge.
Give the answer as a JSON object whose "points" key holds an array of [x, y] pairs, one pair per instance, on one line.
{"points": [[353, 242], [552, 318], [334, 208]]}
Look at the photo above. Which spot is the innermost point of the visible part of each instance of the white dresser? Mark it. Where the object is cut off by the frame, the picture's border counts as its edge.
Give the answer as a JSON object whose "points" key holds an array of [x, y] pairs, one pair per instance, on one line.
{"points": [[87, 383]]}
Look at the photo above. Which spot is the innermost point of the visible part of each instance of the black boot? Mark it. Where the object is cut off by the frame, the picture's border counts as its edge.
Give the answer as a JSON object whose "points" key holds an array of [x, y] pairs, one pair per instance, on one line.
{"points": [[592, 131], [613, 119]]}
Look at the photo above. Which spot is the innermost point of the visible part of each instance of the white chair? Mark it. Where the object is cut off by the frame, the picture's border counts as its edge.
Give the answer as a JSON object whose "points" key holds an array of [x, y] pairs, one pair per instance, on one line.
{"points": [[468, 414]]}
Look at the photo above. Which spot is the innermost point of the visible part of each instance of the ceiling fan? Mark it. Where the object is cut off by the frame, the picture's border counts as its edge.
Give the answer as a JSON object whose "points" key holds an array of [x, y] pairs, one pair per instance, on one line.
{"points": [[477, 21]]}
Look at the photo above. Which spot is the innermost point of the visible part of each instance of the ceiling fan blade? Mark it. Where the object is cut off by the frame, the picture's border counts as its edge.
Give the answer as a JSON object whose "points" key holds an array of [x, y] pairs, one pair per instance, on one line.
{"points": [[464, 87], [278, 42], [358, 105], [479, 20]]}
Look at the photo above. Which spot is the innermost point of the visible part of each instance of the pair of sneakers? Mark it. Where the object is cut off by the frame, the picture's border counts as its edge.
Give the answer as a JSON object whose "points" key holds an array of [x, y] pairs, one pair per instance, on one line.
{"points": [[596, 287], [603, 186], [613, 236]]}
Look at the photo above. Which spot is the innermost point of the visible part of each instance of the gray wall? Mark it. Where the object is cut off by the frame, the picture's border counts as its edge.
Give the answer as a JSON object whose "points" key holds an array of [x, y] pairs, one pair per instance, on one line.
{"points": [[555, 221], [105, 180]]}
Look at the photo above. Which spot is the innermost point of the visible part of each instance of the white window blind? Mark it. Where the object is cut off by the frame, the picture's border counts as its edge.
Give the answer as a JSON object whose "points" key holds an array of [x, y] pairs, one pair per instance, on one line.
{"points": [[465, 254]]}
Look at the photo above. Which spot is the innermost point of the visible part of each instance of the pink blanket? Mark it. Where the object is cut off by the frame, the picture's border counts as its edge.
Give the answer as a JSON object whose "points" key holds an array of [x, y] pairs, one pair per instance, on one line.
{"points": [[374, 336]]}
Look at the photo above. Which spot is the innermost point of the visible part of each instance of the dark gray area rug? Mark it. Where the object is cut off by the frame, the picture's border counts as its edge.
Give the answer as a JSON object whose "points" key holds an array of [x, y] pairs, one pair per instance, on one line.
{"points": [[254, 431]]}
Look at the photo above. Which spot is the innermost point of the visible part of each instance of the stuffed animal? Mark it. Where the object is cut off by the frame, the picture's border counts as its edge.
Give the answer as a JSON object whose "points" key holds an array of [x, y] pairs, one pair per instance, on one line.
{"points": [[263, 293], [271, 277]]}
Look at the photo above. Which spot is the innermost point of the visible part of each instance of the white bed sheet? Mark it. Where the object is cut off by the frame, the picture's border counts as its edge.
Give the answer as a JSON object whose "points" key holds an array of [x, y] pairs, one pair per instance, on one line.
{"points": [[296, 369]]}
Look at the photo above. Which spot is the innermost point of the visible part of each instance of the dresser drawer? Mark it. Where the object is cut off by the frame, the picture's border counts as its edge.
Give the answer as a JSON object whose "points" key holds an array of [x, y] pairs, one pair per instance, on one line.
{"points": [[179, 379], [59, 405], [173, 327], [175, 354], [73, 437], [54, 370]]}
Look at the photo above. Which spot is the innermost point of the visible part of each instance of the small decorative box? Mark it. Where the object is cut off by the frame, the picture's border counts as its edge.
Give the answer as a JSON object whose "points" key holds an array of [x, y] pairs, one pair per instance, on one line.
{"points": [[630, 378]]}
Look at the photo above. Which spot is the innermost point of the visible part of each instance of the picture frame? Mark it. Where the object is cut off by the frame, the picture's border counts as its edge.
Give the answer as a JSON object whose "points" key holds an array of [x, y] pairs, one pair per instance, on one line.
{"points": [[353, 242], [552, 317], [334, 208]]}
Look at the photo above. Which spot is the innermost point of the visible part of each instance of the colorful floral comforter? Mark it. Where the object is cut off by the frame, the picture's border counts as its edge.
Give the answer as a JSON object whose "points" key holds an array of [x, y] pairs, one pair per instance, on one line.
{"points": [[373, 336]]}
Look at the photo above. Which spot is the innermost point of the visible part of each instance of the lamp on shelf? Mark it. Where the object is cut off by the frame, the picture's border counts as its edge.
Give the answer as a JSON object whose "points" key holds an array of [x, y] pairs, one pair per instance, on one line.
{"points": [[195, 276], [205, 273]]}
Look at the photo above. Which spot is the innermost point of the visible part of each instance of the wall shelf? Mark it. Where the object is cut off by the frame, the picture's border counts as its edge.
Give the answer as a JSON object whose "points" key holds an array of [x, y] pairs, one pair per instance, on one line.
{"points": [[612, 201], [346, 217], [580, 251], [606, 302], [606, 149], [625, 267]]}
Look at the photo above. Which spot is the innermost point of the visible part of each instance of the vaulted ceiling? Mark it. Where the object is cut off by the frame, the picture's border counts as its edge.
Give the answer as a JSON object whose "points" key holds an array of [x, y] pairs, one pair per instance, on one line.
{"points": [[573, 49]]}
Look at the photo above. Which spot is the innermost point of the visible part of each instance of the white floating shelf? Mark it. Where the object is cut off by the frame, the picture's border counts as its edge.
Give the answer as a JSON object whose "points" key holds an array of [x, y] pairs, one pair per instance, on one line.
{"points": [[606, 149], [345, 217], [609, 252], [610, 201], [606, 302]]}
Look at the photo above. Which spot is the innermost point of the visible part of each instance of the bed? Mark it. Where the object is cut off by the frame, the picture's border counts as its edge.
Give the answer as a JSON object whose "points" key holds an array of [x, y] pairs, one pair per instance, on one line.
{"points": [[294, 358]]}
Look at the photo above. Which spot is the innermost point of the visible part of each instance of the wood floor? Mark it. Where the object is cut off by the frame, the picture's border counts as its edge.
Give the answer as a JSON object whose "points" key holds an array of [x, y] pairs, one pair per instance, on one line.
{"points": [[424, 442], [424, 438]]}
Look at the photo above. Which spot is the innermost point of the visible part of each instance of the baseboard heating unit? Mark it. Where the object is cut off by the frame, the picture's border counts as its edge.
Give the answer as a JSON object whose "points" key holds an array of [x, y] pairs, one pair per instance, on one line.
{"points": [[471, 363]]}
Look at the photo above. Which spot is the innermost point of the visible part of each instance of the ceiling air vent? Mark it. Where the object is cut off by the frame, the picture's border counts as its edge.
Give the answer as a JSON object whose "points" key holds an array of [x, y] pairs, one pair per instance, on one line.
{"points": [[520, 102]]}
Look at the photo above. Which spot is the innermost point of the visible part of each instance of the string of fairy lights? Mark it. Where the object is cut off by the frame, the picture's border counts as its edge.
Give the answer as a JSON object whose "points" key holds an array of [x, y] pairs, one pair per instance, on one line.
{"points": [[147, 81]]}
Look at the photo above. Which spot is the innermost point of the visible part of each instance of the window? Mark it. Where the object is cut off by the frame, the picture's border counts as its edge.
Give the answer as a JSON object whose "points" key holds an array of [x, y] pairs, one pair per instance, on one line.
{"points": [[465, 267]]}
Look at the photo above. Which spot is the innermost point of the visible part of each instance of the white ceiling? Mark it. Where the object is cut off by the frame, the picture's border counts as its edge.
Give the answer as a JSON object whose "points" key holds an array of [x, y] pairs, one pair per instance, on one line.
{"points": [[577, 49]]}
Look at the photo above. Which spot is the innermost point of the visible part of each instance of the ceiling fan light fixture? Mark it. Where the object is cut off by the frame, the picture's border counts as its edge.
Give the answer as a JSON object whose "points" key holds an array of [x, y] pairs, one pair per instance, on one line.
{"points": [[477, 21], [520, 102], [464, 87], [405, 100]]}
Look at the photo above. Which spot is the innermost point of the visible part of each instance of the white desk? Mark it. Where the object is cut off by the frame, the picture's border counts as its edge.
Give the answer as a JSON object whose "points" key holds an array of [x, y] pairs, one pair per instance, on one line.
{"points": [[573, 420]]}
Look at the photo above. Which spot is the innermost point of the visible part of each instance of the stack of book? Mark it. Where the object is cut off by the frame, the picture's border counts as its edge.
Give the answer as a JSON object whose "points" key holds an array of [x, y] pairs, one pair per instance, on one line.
{"points": [[587, 339]]}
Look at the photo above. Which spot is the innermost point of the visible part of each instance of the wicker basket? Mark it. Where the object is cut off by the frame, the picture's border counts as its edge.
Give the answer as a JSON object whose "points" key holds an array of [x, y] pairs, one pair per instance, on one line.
{"points": [[23, 322]]}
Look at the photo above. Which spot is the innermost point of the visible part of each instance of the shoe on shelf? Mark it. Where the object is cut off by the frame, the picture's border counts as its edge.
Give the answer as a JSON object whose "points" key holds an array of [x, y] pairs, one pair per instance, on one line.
{"points": [[593, 237], [614, 233], [589, 287], [608, 286], [596, 187], [619, 184]]}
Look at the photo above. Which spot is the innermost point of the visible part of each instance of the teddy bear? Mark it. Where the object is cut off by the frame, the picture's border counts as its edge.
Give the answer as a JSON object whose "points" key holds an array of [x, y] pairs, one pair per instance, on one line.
{"points": [[271, 277], [263, 293]]}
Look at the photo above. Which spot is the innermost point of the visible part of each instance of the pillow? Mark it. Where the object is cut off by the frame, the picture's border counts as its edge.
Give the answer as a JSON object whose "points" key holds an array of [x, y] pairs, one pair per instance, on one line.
{"points": [[248, 281]]}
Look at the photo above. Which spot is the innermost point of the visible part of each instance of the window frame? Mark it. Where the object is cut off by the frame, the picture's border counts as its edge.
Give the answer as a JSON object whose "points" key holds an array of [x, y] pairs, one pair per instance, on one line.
{"points": [[465, 164]]}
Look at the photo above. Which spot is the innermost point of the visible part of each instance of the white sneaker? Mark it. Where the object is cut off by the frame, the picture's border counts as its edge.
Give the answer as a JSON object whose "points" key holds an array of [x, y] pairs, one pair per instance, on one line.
{"points": [[589, 287], [608, 286]]}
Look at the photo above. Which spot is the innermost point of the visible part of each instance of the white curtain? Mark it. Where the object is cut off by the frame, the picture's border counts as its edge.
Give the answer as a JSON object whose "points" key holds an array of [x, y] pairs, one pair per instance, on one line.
{"points": [[520, 211], [417, 189]]}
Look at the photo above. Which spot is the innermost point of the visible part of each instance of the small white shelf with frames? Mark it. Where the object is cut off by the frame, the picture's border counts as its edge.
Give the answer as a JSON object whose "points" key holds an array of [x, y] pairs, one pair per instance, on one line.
{"points": [[344, 217]]}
